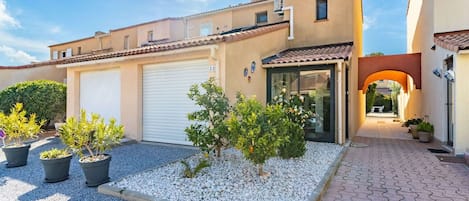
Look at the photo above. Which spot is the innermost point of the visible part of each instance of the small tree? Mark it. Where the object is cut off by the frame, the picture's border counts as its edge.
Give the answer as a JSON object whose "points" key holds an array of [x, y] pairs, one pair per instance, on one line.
{"points": [[91, 134], [209, 130], [258, 131], [18, 127], [293, 107], [370, 96]]}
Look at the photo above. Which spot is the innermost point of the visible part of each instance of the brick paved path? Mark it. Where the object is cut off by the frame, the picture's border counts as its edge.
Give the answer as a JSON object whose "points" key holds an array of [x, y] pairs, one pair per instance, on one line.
{"points": [[396, 169]]}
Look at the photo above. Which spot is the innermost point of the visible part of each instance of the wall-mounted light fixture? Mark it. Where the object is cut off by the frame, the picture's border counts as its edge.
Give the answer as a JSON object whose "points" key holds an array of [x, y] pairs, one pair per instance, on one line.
{"points": [[433, 47], [449, 75], [437, 71], [253, 66]]}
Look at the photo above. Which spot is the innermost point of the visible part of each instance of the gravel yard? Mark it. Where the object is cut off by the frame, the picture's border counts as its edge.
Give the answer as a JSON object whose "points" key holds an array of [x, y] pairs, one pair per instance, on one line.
{"points": [[26, 183], [233, 178]]}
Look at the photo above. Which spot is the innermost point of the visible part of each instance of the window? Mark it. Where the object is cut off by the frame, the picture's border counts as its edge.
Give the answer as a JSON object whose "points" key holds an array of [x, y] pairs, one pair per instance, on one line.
{"points": [[79, 50], [55, 55], [64, 54], [206, 29], [68, 53], [261, 17], [150, 36], [321, 9], [126, 42]]}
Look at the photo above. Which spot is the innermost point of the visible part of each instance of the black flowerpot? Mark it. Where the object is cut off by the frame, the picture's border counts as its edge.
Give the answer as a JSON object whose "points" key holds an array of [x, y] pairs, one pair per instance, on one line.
{"points": [[16, 156], [97, 172], [56, 169]]}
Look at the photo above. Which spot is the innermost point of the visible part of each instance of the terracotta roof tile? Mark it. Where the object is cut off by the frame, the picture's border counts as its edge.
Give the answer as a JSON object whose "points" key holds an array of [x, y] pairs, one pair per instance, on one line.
{"points": [[454, 41], [314, 53], [208, 40]]}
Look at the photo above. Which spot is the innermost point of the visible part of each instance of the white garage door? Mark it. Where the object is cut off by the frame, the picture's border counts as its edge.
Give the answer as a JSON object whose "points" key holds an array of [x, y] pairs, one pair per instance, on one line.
{"points": [[100, 92], [165, 101]]}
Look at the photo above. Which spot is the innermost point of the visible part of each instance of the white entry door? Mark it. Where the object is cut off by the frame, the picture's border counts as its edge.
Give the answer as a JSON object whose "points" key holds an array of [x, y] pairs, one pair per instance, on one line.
{"points": [[165, 101], [100, 92]]}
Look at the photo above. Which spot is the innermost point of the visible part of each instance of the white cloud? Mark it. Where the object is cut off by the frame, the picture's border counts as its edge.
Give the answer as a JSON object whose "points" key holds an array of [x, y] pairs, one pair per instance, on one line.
{"points": [[55, 29], [15, 47], [368, 22], [17, 55], [5, 18]]}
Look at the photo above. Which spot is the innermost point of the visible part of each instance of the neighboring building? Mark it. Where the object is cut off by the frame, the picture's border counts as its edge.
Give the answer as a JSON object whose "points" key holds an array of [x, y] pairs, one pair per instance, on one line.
{"points": [[440, 31], [10, 75], [308, 47]]}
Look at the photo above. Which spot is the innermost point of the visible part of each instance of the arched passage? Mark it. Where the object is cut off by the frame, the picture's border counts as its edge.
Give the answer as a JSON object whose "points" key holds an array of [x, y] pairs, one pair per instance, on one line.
{"points": [[383, 67], [396, 76]]}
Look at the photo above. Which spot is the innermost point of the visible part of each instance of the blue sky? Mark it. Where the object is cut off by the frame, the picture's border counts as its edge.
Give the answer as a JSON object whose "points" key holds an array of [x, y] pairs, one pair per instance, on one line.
{"points": [[27, 27]]}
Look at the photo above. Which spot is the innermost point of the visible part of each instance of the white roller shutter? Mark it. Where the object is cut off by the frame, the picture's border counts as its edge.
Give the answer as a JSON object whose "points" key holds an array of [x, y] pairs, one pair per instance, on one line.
{"points": [[100, 92], [165, 101]]}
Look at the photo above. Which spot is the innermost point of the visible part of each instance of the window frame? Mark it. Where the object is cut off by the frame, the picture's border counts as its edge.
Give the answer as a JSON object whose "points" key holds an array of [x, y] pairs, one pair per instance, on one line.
{"points": [[318, 8], [150, 36], [126, 42], [258, 14]]}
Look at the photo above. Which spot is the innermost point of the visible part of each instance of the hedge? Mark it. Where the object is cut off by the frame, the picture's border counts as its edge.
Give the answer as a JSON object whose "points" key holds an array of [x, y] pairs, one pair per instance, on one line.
{"points": [[45, 98]]}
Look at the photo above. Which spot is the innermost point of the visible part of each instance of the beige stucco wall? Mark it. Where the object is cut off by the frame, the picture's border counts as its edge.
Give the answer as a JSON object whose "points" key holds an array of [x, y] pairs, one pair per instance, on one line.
{"points": [[337, 28], [12, 76], [451, 15], [239, 56], [247, 16], [222, 21], [461, 128], [131, 85], [87, 46], [424, 18]]}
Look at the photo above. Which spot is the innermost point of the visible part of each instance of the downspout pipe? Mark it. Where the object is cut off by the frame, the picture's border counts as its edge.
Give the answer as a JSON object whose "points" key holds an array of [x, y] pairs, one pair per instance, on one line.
{"points": [[292, 33]]}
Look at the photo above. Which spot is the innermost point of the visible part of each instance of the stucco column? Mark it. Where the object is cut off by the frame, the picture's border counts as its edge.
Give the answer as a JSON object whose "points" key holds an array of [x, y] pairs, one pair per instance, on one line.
{"points": [[131, 100], [461, 131], [73, 93]]}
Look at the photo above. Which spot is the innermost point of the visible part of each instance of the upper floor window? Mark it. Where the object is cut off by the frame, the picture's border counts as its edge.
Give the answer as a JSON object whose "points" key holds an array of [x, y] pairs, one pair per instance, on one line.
{"points": [[261, 17], [66, 53], [321, 9], [79, 50], [55, 55], [206, 29], [150, 36], [126, 42]]}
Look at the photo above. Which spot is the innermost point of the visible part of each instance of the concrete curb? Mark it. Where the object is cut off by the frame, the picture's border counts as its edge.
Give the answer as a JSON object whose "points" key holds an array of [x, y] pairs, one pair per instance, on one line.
{"points": [[125, 194], [321, 189]]}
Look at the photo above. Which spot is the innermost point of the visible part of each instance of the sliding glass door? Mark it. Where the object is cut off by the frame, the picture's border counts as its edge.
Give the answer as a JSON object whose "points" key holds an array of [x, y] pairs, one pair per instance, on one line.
{"points": [[316, 85]]}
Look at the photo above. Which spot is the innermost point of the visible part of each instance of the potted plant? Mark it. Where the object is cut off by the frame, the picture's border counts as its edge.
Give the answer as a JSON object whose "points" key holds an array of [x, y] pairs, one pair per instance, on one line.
{"points": [[96, 137], [425, 131], [18, 128], [56, 163], [412, 124]]}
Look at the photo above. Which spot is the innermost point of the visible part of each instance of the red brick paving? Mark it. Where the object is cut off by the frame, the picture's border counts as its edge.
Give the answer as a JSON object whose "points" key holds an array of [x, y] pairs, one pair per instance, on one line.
{"points": [[396, 169]]}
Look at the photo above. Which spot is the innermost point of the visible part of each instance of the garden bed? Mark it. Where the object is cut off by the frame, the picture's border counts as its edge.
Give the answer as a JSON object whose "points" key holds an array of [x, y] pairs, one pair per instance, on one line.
{"points": [[231, 177]]}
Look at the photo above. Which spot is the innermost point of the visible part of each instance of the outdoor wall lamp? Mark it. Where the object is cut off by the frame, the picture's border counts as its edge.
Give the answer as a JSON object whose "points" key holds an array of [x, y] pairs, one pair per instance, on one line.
{"points": [[437, 72], [449, 75]]}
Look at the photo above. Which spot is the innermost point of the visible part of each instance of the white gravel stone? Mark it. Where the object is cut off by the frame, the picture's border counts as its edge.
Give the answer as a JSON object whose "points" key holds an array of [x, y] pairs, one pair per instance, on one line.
{"points": [[231, 177]]}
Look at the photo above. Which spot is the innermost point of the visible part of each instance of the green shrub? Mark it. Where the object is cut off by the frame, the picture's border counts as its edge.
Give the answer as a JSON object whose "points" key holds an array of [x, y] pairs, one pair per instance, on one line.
{"points": [[415, 121], [383, 100], [258, 131], [91, 134], [293, 107], [191, 173], [44, 98], [54, 154], [209, 130], [18, 127], [425, 127], [370, 96]]}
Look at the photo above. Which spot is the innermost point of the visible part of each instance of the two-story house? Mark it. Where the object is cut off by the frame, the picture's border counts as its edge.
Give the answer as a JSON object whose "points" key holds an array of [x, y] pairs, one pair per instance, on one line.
{"points": [[143, 72], [440, 31]]}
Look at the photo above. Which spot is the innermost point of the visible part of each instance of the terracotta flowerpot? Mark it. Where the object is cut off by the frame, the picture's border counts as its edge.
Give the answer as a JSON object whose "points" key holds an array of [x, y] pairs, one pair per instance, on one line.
{"points": [[413, 131], [56, 169], [96, 173], [16, 156], [425, 137]]}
